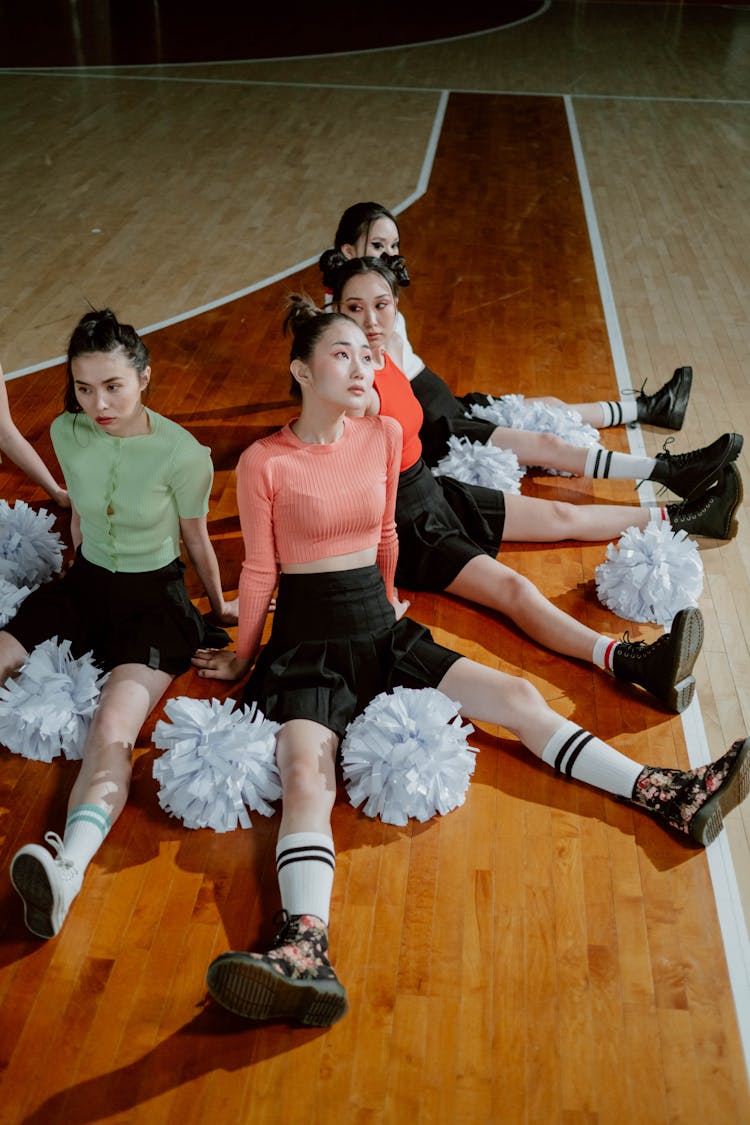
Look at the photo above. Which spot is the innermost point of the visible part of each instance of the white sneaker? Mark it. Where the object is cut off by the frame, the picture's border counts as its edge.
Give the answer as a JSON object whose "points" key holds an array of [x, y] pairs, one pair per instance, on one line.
{"points": [[47, 885]]}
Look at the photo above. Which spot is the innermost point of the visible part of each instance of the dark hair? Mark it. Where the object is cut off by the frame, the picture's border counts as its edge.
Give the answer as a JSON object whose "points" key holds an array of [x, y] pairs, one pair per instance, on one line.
{"points": [[357, 221], [354, 223], [101, 331], [392, 273], [307, 323]]}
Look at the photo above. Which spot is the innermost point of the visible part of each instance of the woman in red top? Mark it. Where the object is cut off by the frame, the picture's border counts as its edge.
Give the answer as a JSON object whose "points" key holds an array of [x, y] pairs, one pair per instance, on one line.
{"points": [[449, 532], [317, 502]]}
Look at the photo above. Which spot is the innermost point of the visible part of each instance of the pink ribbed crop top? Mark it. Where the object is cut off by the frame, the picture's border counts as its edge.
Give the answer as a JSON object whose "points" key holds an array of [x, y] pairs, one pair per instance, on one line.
{"points": [[300, 502]]}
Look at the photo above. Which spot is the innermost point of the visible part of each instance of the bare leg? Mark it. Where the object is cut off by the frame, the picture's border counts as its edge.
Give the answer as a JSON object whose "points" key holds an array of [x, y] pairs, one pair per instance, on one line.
{"points": [[490, 583], [528, 520], [306, 757], [12, 655], [128, 697], [546, 450]]}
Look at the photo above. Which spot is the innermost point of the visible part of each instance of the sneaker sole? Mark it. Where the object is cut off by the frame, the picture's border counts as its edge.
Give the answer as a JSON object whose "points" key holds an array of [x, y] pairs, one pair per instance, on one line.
{"points": [[30, 880], [709, 820], [689, 639], [257, 993]]}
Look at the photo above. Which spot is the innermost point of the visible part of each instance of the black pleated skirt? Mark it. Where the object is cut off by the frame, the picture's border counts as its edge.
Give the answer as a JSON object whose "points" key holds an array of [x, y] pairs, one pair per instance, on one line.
{"points": [[445, 415], [443, 524], [335, 645]]}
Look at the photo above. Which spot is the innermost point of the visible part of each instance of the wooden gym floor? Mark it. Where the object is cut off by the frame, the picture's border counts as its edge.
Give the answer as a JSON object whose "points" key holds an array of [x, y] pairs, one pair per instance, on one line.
{"points": [[576, 213]]}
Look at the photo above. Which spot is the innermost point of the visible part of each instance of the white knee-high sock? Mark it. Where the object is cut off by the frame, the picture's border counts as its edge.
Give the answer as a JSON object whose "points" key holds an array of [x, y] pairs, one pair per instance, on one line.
{"points": [[85, 830], [606, 463], [305, 863], [574, 752], [618, 413]]}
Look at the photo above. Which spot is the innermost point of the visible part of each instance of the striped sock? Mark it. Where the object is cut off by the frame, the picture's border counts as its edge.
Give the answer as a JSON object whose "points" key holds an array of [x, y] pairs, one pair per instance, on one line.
{"points": [[85, 830], [605, 463], [618, 413], [603, 652], [576, 753], [305, 863]]}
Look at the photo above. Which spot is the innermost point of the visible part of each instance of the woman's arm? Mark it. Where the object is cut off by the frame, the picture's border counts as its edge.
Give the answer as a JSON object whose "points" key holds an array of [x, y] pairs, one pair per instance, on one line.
{"points": [[23, 454], [203, 557]]}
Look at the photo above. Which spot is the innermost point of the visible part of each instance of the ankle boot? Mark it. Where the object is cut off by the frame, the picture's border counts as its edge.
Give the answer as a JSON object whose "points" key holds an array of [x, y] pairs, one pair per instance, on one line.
{"points": [[695, 802], [665, 667], [667, 406], [293, 981], [712, 514], [688, 474]]}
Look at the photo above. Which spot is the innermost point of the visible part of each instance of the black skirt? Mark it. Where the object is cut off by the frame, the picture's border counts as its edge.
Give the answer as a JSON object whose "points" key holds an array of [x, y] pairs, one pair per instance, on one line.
{"points": [[442, 524], [140, 618], [335, 645], [445, 415]]}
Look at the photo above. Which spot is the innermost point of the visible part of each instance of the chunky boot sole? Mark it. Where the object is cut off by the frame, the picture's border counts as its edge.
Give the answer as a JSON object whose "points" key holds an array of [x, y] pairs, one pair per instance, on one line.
{"points": [[687, 630], [252, 990], [730, 528], [709, 820], [32, 883]]}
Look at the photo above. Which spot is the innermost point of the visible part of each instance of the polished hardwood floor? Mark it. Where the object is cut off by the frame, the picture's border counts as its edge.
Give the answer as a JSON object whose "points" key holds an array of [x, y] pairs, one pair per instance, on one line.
{"points": [[543, 952]]}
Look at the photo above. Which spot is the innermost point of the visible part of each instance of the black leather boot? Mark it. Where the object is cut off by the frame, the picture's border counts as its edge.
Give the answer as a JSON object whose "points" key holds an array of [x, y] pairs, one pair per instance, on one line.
{"points": [[712, 514], [665, 667], [689, 474], [666, 407]]}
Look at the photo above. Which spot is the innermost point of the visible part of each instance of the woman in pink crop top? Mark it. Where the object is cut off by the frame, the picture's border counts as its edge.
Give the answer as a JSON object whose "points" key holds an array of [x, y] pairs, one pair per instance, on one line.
{"points": [[370, 229], [449, 532], [138, 482], [319, 497]]}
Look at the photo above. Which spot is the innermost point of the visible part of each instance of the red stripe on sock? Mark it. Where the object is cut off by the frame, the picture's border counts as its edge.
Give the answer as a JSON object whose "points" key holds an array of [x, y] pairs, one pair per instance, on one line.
{"points": [[608, 655]]}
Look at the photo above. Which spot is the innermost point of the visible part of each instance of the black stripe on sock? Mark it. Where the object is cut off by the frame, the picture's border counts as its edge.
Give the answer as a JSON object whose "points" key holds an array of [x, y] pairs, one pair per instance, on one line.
{"points": [[305, 855], [563, 766], [616, 418], [607, 464], [597, 459], [574, 756]]}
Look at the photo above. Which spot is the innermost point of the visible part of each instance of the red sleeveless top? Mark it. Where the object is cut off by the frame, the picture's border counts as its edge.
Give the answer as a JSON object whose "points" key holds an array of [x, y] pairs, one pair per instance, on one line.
{"points": [[397, 400]]}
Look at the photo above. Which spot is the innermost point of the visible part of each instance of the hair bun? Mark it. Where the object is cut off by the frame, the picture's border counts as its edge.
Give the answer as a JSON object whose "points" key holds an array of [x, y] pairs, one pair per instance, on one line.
{"points": [[397, 265]]}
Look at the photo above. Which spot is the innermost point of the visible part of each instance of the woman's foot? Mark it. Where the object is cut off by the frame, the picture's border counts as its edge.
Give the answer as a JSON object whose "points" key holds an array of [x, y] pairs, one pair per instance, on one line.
{"points": [[695, 802], [689, 474], [46, 884], [711, 515], [293, 981], [665, 667], [666, 407]]}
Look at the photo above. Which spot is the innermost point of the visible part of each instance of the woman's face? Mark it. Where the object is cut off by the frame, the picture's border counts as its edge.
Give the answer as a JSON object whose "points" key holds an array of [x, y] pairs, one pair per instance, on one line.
{"points": [[381, 237], [369, 300], [339, 371], [109, 389]]}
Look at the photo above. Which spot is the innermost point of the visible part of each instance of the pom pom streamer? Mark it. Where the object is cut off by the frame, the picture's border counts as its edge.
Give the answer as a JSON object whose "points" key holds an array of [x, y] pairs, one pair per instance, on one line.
{"points": [[46, 709], [473, 462], [406, 756], [31, 552], [650, 575], [514, 413], [11, 597], [219, 763]]}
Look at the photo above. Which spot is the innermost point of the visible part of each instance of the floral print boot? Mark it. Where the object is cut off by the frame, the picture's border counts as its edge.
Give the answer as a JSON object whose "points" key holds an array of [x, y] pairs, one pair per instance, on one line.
{"points": [[695, 801], [294, 980]]}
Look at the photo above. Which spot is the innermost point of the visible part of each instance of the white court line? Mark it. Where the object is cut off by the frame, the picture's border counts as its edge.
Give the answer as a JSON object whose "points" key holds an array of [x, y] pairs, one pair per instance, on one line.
{"points": [[329, 54], [422, 182], [719, 856]]}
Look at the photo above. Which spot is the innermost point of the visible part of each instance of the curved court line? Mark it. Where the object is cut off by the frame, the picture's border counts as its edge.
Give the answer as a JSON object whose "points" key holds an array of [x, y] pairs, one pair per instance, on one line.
{"points": [[719, 855], [422, 182], [323, 55]]}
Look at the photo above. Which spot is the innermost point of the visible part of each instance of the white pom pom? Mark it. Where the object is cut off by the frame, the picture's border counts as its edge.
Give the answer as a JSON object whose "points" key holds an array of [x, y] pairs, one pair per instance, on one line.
{"points": [[513, 412], [406, 756], [46, 709], [650, 575], [473, 462], [10, 599], [30, 550], [218, 761]]}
